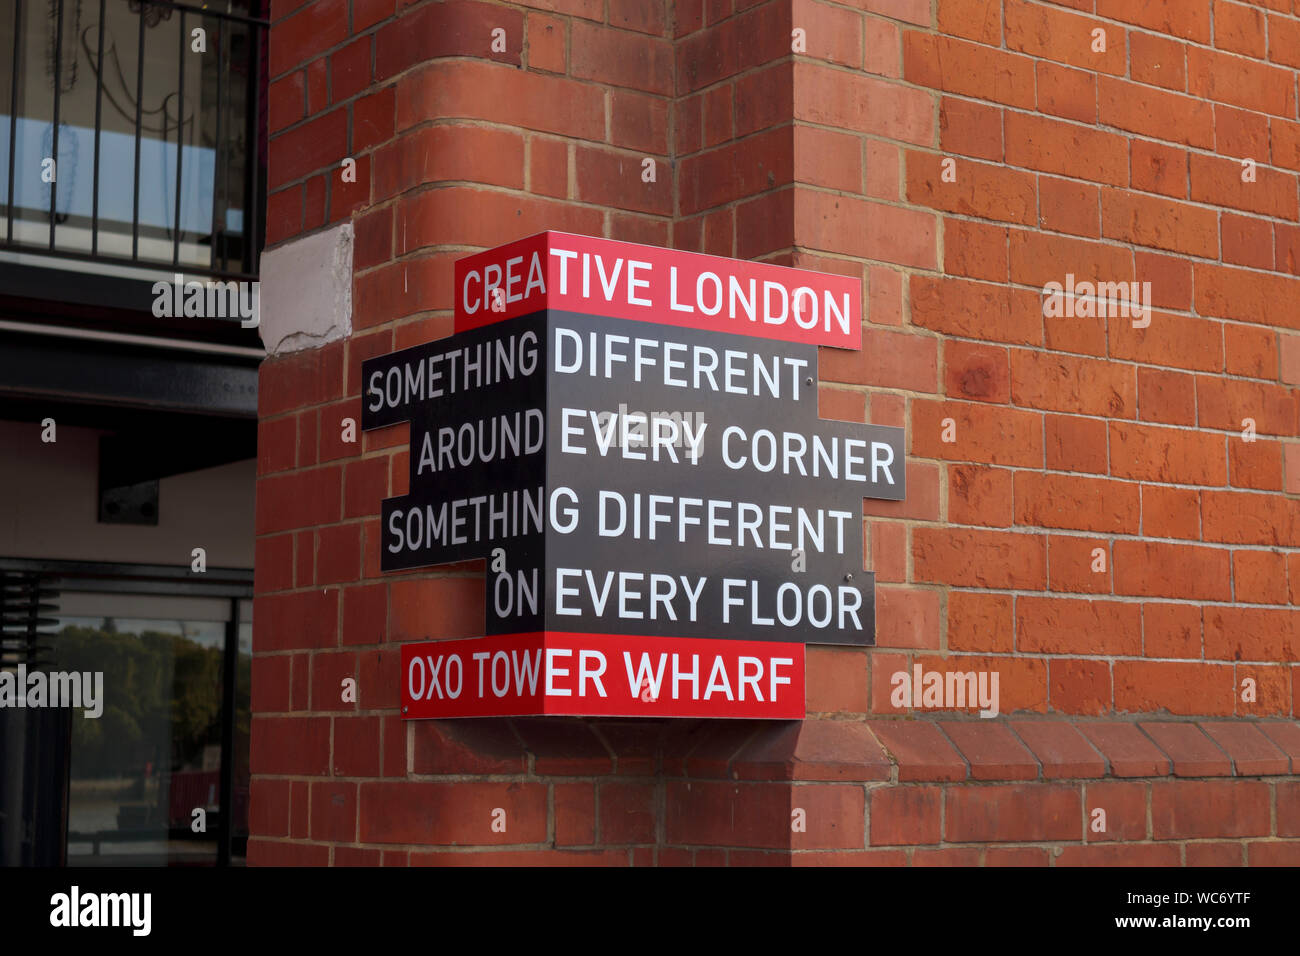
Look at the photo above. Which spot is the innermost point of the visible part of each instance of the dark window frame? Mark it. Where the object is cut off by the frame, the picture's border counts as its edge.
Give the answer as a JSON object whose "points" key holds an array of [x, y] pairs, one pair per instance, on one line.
{"points": [[233, 584]]}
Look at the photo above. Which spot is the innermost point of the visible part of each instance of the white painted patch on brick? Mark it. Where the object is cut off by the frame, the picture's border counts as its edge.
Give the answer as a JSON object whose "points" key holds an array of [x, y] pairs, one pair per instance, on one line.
{"points": [[307, 291]]}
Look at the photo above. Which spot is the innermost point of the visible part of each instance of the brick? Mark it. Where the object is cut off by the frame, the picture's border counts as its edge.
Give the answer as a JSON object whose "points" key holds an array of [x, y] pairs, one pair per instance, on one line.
{"points": [[1285, 735], [1020, 813], [1060, 749], [921, 752], [305, 619], [1274, 853], [270, 683], [1259, 577], [564, 747], [1288, 808], [1154, 113], [468, 746], [1171, 512], [994, 435], [1171, 630], [1240, 132], [1007, 560], [436, 153], [357, 747], [1079, 686], [575, 814], [328, 671], [1180, 18], [1125, 805], [1218, 180], [627, 813], [1126, 854], [1215, 854], [373, 118], [1170, 278], [1182, 689], [1079, 503], [991, 750], [1128, 752], [452, 29], [472, 90], [1157, 60], [1284, 41], [1232, 293], [1167, 398], [906, 815], [977, 310], [333, 811], [1075, 444], [882, 45], [1191, 809], [1051, 146], [1252, 753], [1251, 351], [1159, 223], [428, 813], [849, 226], [614, 179], [1037, 259], [1192, 752], [317, 27], [268, 807], [1063, 626], [1225, 403], [970, 129], [1239, 82], [827, 750], [972, 20], [290, 745], [968, 69], [980, 495], [366, 13], [907, 617], [983, 190], [887, 359], [1071, 94], [974, 249], [318, 144], [980, 622], [1068, 206], [1015, 856], [758, 815], [1075, 566], [1156, 168], [1239, 29], [1150, 453], [1251, 634]]}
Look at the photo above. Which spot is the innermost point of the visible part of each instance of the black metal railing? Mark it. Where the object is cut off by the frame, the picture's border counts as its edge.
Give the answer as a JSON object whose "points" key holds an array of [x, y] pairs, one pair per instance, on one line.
{"points": [[167, 100]]}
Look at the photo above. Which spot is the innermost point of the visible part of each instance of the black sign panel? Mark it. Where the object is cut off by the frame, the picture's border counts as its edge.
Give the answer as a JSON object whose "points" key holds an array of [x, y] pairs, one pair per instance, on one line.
{"points": [[626, 477]]}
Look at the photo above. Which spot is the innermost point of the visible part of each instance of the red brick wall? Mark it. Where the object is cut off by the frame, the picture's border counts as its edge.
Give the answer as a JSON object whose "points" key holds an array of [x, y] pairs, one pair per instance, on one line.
{"points": [[1071, 434]]}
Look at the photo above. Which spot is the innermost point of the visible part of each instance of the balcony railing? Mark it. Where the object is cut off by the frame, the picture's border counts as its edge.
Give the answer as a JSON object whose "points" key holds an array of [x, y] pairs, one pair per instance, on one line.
{"points": [[131, 135]]}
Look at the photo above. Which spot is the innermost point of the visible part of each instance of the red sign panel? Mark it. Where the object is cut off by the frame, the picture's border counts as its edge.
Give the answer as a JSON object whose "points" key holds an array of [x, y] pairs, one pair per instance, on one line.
{"points": [[624, 280], [602, 675]]}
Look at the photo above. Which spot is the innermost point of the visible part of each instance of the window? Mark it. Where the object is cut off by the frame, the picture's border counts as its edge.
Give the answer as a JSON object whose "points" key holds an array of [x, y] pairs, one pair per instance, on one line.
{"points": [[160, 777]]}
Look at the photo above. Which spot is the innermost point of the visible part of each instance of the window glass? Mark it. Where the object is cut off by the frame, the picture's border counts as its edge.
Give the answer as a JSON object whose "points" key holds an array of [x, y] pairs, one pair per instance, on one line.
{"points": [[141, 770]]}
